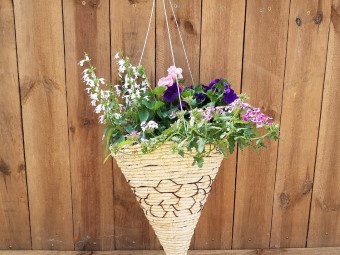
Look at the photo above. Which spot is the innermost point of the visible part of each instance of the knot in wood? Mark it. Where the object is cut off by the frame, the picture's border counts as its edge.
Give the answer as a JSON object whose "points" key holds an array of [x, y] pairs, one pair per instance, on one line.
{"points": [[86, 122], [284, 200], [4, 167], [298, 21], [318, 18], [307, 186], [189, 27]]}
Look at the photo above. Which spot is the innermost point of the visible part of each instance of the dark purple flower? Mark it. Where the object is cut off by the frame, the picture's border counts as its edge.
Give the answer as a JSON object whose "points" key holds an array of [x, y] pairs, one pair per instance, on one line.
{"points": [[229, 95], [171, 93], [200, 97], [213, 82], [205, 88], [185, 106]]}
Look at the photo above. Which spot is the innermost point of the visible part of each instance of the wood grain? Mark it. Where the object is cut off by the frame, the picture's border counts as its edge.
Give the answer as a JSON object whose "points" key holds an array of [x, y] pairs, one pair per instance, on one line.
{"points": [[87, 29], [43, 96], [57, 131], [14, 215], [263, 75], [222, 59], [188, 14], [306, 56], [305, 251], [324, 225], [129, 20]]}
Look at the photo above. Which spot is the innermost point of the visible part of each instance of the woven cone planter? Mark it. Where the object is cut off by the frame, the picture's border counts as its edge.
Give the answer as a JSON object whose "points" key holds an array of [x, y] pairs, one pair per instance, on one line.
{"points": [[170, 191]]}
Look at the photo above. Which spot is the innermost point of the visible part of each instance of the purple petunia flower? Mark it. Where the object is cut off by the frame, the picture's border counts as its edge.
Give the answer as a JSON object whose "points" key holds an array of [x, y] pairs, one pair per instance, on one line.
{"points": [[229, 95], [171, 93], [213, 82], [205, 88], [200, 97]]}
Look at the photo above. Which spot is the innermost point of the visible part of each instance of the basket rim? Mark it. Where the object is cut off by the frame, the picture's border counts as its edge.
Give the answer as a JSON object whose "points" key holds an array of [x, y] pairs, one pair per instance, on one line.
{"points": [[134, 150]]}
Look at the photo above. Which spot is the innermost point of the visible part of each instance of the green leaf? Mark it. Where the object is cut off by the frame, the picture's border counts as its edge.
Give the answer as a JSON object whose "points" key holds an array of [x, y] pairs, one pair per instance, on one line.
{"points": [[158, 104], [199, 160], [161, 114], [108, 140], [106, 129], [153, 105], [140, 70], [126, 142], [149, 104], [201, 144], [119, 139], [159, 90], [129, 128], [143, 115], [231, 145], [168, 131]]}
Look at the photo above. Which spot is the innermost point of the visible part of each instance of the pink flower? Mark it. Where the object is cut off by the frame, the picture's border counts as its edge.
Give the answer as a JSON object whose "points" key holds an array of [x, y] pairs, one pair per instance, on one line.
{"points": [[166, 81], [175, 72], [133, 133]]}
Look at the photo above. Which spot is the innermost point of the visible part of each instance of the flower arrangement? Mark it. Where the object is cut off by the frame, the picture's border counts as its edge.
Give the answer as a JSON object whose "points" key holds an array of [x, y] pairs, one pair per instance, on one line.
{"points": [[195, 119]]}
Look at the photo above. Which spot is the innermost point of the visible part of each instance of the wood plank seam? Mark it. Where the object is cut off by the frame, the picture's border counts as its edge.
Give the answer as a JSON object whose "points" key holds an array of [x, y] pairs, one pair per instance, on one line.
{"points": [[278, 143], [236, 147], [22, 121], [112, 160], [67, 116], [318, 136]]}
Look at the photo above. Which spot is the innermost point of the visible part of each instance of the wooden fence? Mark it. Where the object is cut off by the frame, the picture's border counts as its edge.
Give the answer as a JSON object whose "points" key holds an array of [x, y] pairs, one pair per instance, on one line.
{"points": [[55, 192]]}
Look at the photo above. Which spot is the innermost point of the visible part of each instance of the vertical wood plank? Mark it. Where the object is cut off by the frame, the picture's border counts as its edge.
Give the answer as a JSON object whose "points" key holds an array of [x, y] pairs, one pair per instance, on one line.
{"points": [[43, 96], [188, 14], [129, 21], [324, 226], [87, 29], [306, 56], [263, 75], [14, 215], [221, 55]]}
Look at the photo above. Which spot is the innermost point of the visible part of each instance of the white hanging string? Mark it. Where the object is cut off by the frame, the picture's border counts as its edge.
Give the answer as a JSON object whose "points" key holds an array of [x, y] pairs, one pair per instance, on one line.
{"points": [[170, 42], [180, 36], [148, 30], [172, 53]]}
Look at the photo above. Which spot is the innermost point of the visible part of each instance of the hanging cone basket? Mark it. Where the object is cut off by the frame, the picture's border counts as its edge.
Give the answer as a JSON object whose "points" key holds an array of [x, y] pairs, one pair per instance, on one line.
{"points": [[170, 191]]}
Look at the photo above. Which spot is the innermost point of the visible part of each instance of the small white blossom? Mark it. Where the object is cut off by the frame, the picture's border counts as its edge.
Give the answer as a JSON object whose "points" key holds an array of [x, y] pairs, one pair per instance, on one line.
{"points": [[101, 119], [121, 69], [99, 108], [150, 125], [192, 120], [117, 115], [86, 59], [117, 55], [94, 96], [137, 93], [143, 140], [93, 102], [101, 80]]}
